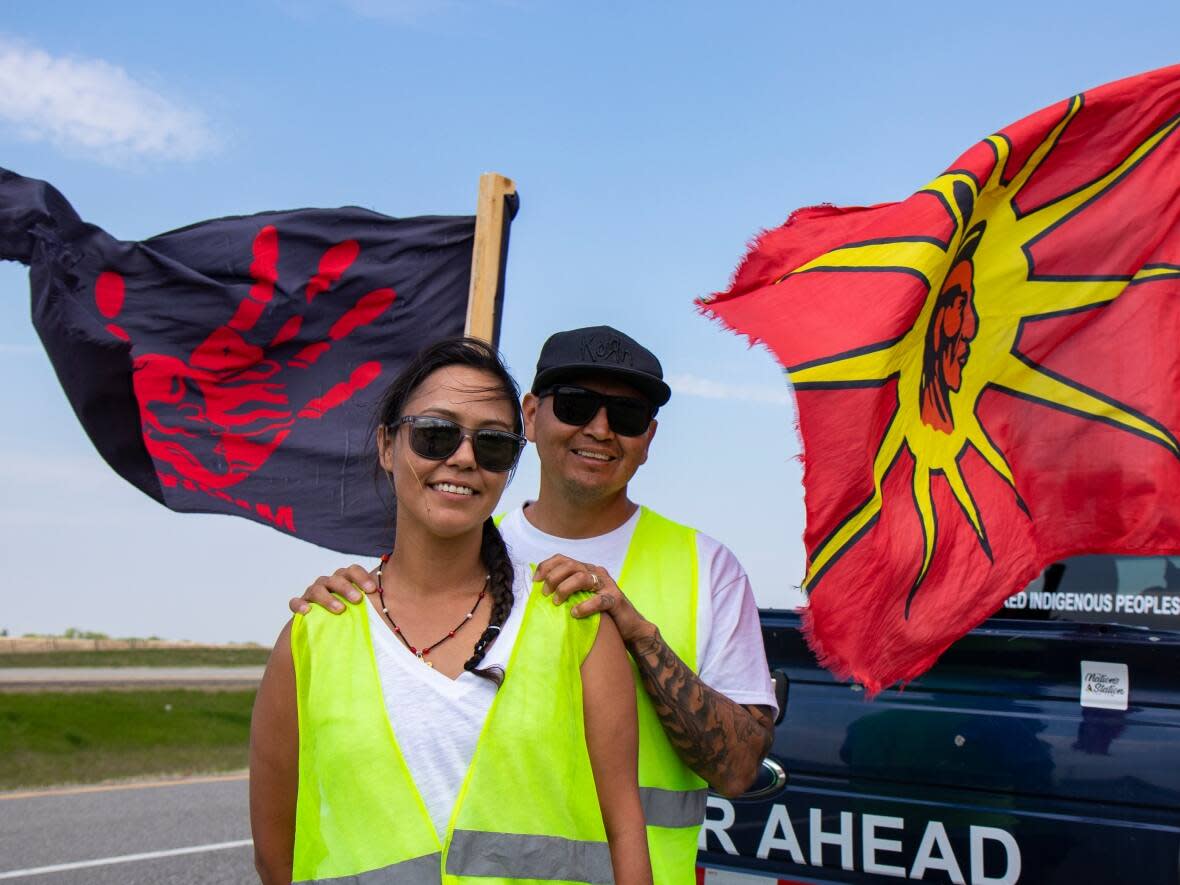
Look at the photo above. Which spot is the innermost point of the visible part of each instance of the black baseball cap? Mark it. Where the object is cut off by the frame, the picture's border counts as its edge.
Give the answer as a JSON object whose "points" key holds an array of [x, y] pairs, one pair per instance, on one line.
{"points": [[601, 350]]}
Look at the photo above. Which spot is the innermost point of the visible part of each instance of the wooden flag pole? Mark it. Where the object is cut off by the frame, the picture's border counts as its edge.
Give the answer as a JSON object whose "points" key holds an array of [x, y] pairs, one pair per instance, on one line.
{"points": [[486, 254]]}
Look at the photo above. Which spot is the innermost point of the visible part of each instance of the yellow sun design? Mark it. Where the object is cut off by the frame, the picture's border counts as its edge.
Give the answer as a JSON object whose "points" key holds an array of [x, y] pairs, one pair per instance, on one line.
{"points": [[983, 285]]}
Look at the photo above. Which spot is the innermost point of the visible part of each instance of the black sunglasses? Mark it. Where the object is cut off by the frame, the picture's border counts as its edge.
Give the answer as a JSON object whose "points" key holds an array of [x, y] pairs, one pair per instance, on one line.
{"points": [[626, 415], [438, 439]]}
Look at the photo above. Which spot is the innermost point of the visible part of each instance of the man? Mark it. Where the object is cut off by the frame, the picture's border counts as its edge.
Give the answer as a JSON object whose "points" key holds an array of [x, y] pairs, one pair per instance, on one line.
{"points": [[687, 616]]}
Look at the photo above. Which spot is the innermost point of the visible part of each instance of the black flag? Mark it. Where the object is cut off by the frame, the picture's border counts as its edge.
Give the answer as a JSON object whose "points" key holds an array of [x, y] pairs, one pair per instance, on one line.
{"points": [[234, 365]]}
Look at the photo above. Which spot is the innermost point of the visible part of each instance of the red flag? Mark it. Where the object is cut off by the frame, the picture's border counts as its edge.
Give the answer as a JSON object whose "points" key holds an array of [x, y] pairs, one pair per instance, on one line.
{"points": [[987, 373]]}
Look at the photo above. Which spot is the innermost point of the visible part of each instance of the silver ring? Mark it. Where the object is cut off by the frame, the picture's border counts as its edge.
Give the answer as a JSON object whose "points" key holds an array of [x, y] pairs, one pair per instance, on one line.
{"points": [[594, 578]]}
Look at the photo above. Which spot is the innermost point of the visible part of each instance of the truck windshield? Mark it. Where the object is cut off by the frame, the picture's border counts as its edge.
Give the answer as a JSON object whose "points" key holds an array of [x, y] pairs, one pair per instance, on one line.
{"points": [[1136, 591]]}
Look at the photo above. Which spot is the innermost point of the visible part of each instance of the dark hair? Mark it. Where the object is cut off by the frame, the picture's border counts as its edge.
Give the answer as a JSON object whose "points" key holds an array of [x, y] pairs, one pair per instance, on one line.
{"points": [[493, 553]]}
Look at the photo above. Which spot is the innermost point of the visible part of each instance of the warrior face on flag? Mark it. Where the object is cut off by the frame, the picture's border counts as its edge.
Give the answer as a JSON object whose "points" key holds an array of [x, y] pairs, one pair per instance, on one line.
{"points": [[983, 373], [953, 326]]}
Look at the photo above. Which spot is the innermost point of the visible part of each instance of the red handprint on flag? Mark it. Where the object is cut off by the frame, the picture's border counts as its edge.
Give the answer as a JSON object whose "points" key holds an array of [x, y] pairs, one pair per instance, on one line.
{"points": [[217, 416]]}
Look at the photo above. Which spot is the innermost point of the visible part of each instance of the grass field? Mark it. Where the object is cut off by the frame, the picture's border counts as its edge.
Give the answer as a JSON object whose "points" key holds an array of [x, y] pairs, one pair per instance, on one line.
{"points": [[82, 737], [140, 657]]}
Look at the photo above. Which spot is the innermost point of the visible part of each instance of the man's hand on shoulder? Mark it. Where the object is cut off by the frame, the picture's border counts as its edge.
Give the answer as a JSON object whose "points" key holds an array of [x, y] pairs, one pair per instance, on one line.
{"points": [[563, 577], [348, 582]]}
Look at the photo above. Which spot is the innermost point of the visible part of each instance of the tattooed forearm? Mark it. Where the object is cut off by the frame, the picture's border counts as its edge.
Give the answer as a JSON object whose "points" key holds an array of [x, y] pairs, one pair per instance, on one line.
{"points": [[721, 740]]}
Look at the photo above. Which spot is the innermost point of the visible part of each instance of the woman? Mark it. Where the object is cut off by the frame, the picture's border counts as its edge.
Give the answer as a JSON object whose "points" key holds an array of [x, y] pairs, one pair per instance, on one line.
{"points": [[456, 725]]}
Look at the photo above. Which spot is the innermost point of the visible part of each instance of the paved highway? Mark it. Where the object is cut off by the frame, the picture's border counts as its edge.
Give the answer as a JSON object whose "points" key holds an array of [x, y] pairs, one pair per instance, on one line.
{"points": [[49, 678], [180, 832]]}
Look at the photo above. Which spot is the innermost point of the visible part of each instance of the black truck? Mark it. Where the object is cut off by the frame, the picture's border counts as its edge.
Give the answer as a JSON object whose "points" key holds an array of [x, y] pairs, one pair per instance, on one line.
{"points": [[1044, 747]]}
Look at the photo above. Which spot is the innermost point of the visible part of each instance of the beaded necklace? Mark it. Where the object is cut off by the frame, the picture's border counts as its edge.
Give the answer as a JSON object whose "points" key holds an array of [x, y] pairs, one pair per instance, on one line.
{"points": [[421, 653]]}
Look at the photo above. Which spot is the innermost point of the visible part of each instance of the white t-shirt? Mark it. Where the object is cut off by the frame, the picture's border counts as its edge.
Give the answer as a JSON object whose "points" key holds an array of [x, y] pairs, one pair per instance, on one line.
{"points": [[731, 657], [437, 720]]}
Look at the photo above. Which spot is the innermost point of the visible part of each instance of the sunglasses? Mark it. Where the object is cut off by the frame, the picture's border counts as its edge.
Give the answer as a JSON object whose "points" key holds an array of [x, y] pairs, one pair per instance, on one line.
{"points": [[438, 439], [626, 415]]}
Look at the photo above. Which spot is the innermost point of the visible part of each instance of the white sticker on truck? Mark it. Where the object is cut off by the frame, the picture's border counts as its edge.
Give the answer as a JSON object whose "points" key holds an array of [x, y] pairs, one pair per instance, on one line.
{"points": [[1105, 685]]}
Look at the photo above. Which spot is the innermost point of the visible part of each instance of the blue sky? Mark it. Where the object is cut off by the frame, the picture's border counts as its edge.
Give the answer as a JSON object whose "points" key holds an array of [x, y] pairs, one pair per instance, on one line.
{"points": [[649, 143]]}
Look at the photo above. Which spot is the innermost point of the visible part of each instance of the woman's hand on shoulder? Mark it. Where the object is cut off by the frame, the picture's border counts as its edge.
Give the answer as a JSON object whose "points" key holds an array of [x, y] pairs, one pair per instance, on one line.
{"points": [[349, 582]]}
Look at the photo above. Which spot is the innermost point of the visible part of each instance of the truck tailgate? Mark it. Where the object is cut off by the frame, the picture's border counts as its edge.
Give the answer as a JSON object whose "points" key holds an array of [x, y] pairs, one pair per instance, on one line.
{"points": [[986, 770]]}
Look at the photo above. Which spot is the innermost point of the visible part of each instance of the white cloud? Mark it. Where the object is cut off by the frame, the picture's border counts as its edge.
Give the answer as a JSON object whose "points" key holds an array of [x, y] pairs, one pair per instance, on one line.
{"points": [[691, 385], [93, 106]]}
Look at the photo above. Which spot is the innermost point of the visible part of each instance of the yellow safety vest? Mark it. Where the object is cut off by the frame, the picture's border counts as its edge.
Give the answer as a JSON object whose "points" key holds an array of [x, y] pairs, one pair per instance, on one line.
{"points": [[659, 577], [528, 809]]}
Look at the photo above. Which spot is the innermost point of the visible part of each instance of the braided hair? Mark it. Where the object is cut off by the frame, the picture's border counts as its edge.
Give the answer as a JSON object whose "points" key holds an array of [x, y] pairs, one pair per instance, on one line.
{"points": [[493, 553]]}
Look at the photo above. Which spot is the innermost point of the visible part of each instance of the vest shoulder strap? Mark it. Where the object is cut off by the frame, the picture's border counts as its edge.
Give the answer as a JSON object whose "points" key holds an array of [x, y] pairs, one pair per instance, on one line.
{"points": [[660, 575]]}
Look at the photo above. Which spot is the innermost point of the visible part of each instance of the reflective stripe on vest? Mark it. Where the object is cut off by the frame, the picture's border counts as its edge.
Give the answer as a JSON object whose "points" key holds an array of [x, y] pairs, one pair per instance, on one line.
{"points": [[512, 856], [673, 808], [660, 577], [408, 872], [359, 817]]}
